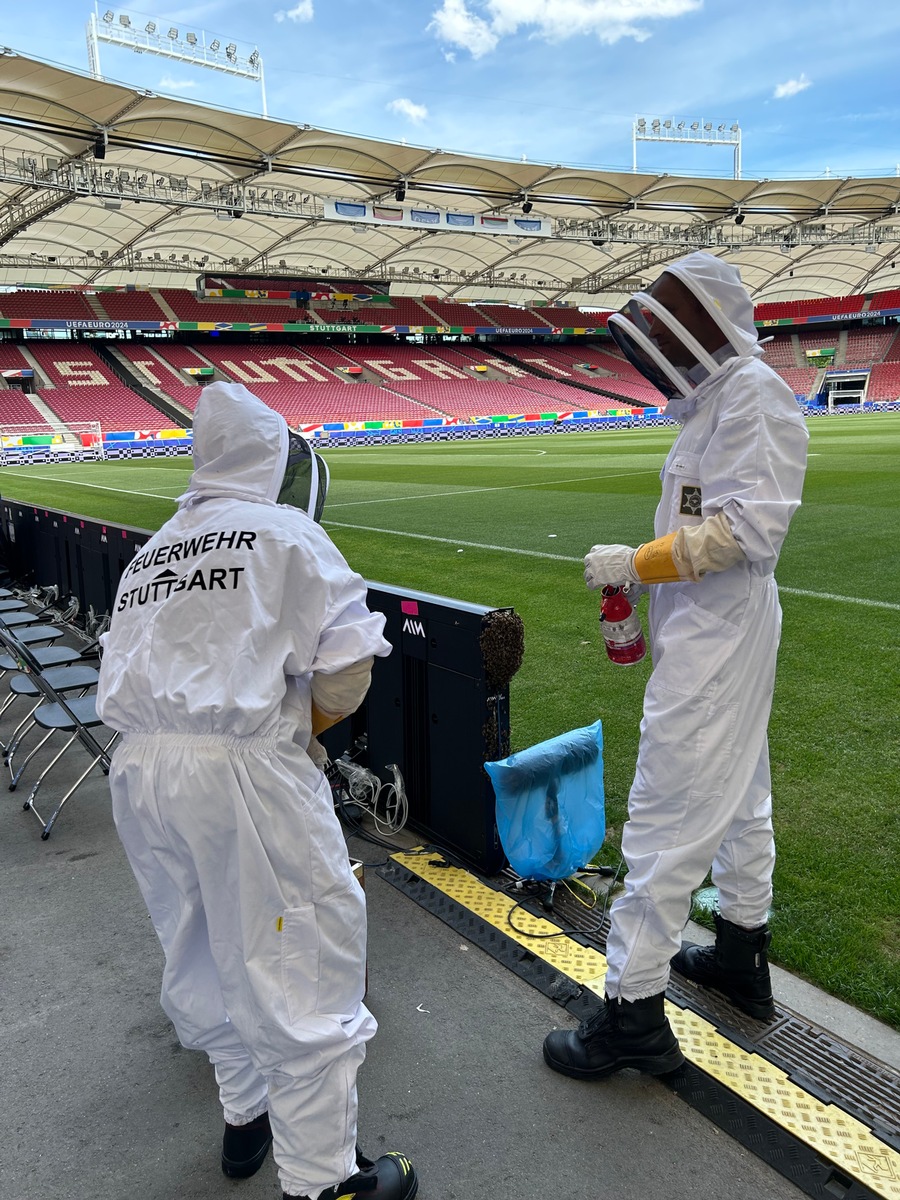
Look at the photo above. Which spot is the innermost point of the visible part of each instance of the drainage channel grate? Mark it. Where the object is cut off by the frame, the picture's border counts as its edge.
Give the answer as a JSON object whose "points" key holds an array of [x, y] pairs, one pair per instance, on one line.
{"points": [[818, 1110]]}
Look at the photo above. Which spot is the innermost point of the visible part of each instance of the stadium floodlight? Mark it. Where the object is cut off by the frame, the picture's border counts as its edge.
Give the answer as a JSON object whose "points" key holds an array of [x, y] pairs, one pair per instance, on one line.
{"points": [[699, 132], [135, 32]]}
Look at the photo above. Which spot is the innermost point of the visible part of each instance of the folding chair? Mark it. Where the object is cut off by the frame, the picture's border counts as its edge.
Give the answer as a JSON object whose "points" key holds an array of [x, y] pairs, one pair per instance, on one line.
{"points": [[76, 717], [65, 679], [46, 656], [12, 620], [7, 606], [34, 635]]}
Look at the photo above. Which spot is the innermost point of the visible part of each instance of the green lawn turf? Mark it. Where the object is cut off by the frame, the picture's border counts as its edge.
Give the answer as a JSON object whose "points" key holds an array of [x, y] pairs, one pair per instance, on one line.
{"points": [[834, 733]]}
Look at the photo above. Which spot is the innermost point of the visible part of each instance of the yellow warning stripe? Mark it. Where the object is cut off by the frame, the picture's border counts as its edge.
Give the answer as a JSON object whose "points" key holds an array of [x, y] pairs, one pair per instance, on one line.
{"points": [[840, 1138]]}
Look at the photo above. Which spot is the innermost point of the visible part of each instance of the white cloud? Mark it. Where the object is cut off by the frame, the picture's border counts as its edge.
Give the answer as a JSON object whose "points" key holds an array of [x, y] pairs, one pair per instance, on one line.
{"points": [[792, 87], [405, 108], [552, 20], [453, 23], [302, 11], [168, 84], [450, 56]]}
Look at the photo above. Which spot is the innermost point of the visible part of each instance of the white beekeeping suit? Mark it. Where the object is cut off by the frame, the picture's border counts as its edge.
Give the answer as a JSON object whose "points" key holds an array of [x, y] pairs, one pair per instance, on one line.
{"points": [[701, 793], [228, 625]]}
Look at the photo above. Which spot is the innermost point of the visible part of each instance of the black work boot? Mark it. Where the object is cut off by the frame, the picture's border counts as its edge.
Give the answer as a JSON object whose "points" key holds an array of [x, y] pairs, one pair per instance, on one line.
{"points": [[736, 966], [391, 1177], [621, 1033], [244, 1147]]}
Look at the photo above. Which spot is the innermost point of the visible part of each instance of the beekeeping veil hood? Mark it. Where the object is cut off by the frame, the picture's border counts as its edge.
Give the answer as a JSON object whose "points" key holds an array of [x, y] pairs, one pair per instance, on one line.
{"points": [[717, 286], [244, 450]]}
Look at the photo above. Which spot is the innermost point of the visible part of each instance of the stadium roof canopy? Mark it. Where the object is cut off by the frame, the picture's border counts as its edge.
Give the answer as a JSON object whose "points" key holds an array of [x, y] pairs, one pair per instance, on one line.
{"points": [[109, 184]]}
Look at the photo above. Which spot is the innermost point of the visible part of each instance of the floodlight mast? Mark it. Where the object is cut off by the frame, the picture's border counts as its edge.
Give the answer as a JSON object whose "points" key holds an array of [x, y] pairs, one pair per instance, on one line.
{"points": [[698, 132], [135, 32]]}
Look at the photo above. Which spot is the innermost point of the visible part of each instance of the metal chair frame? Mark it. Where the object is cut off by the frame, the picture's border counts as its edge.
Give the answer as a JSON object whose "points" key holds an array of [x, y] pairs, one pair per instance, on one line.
{"points": [[59, 714]]}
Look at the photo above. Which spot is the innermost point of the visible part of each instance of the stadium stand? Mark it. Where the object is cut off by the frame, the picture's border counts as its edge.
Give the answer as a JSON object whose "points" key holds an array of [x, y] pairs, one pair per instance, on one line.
{"points": [[884, 381], [59, 306], [15, 406], [889, 299], [449, 313], [505, 317], [780, 351], [187, 307], [892, 354], [800, 379], [86, 390], [866, 346], [310, 404], [779, 310], [571, 318], [130, 306]]}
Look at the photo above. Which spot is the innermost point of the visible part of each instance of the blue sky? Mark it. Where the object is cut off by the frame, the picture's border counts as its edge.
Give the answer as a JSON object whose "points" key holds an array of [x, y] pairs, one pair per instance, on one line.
{"points": [[554, 80]]}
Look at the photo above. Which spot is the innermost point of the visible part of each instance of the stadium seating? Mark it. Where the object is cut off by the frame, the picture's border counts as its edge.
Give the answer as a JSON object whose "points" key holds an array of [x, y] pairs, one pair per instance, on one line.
{"points": [[867, 346], [892, 354], [572, 318], [450, 313], [187, 307], [58, 306], [780, 351], [781, 309], [302, 404], [799, 379], [262, 364], [130, 306], [889, 299], [16, 409], [503, 316], [86, 390], [884, 382]]}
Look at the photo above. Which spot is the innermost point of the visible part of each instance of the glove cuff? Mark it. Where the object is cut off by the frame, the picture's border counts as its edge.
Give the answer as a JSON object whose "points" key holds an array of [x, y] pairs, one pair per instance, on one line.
{"points": [[653, 562]]}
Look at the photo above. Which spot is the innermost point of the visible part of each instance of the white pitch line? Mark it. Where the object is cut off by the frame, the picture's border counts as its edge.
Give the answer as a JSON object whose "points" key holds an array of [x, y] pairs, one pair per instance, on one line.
{"points": [[101, 486], [509, 487], [842, 599], [429, 537]]}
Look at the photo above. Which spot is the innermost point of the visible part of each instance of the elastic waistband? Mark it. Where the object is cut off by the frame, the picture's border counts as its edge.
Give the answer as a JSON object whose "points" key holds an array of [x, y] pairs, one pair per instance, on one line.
{"points": [[228, 741]]}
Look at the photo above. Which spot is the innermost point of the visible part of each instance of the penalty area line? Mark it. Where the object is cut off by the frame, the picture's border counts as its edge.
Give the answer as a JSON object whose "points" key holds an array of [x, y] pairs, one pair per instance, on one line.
{"points": [[430, 537]]}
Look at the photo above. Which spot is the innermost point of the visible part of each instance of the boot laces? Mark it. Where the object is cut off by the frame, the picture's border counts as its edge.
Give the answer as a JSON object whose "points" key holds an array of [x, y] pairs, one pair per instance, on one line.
{"points": [[596, 1022]]}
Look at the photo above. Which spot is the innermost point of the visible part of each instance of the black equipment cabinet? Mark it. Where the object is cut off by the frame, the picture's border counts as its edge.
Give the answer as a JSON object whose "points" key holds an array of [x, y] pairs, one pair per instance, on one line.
{"points": [[431, 711], [432, 708]]}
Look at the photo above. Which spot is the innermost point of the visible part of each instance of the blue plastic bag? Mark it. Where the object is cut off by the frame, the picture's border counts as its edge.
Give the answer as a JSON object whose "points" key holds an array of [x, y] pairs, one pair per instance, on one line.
{"points": [[550, 804]]}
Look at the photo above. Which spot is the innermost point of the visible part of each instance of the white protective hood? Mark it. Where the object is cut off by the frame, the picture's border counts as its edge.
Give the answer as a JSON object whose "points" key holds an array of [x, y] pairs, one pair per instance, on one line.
{"points": [[240, 447], [717, 285], [718, 288]]}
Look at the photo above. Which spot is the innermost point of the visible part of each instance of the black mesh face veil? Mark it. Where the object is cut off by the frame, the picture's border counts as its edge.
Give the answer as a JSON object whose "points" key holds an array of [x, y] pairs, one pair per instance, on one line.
{"points": [[305, 483], [641, 359], [630, 329]]}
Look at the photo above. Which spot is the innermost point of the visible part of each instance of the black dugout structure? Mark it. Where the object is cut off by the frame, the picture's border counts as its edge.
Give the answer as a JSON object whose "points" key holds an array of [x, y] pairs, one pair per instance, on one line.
{"points": [[438, 706]]}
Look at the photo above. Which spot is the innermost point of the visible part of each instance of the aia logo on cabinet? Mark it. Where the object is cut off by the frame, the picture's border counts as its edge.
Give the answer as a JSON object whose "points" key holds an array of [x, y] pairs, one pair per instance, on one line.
{"points": [[412, 623]]}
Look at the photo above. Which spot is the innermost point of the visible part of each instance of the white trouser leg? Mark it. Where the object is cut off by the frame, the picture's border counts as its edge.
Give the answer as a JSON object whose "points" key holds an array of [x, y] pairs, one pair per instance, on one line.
{"points": [[266, 862], [197, 1012], [743, 866], [698, 777]]}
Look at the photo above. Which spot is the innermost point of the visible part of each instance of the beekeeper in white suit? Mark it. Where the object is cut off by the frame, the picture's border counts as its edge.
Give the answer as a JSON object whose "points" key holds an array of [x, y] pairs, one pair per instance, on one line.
{"points": [[701, 796], [238, 633]]}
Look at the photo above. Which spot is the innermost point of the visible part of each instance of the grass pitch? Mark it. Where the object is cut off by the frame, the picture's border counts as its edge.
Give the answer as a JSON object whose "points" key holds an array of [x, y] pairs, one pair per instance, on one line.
{"points": [[507, 523]]}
